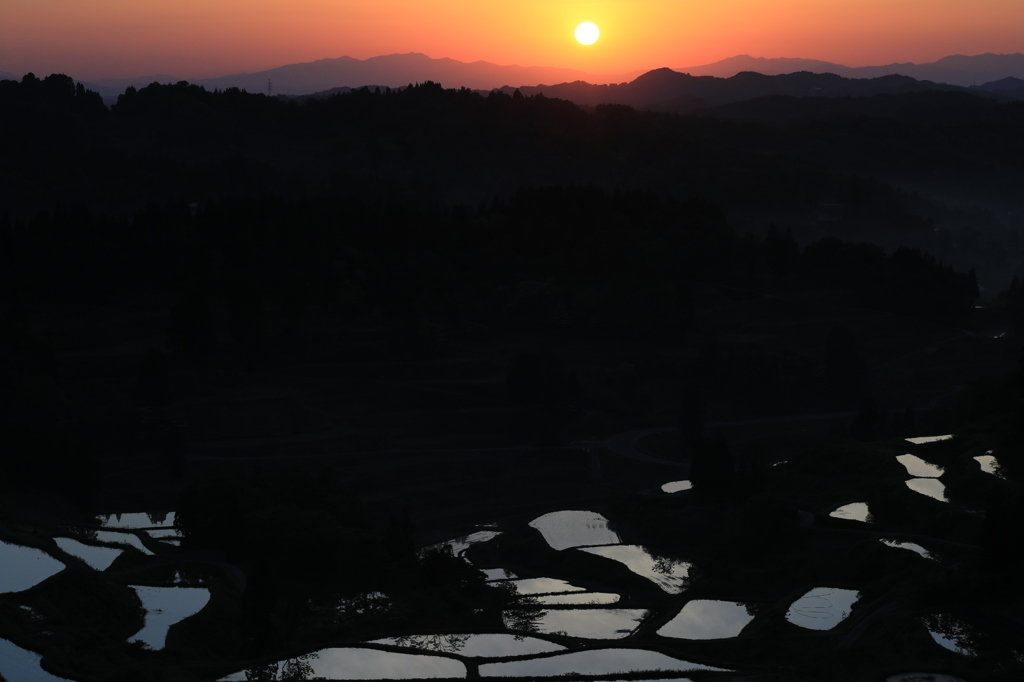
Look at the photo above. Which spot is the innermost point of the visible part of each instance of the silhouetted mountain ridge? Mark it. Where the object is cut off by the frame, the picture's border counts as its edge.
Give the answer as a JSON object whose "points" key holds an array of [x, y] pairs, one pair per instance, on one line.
{"points": [[386, 71], [671, 91], [403, 69], [954, 69], [344, 90], [1009, 84]]}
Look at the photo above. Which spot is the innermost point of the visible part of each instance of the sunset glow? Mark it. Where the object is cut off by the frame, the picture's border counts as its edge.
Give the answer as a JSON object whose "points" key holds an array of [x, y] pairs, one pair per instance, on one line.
{"points": [[201, 38]]}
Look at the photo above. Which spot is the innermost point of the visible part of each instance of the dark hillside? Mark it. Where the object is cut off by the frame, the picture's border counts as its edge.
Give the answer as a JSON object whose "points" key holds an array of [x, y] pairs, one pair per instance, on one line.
{"points": [[933, 170], [671, 91]]}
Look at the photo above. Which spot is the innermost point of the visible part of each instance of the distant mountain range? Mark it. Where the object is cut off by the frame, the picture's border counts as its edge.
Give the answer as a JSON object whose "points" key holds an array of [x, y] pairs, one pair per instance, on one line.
{"points": [[955, 70], [671, 91], [995, 73], [389, 70], [1003, 85]]}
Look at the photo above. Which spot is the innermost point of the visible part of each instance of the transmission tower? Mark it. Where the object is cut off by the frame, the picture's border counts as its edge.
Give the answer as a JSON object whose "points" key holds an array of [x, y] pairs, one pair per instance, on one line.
{"points": [[270, 88]]}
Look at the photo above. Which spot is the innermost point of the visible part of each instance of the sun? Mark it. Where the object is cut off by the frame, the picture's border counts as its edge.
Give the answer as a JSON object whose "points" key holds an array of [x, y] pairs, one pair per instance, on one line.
{"points": [[587, 33]]}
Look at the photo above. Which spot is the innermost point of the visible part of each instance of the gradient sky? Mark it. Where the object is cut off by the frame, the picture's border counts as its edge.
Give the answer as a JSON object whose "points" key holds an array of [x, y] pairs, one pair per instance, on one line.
{"points": [[91, 39]]}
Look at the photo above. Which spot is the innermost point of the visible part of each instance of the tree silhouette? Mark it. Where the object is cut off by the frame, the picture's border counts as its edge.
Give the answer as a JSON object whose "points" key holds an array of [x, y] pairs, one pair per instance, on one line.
{"points": [[540, 380], [692, 414], [190, 331], [870, 422], [152, 381], [711, 467], [844, 368]]}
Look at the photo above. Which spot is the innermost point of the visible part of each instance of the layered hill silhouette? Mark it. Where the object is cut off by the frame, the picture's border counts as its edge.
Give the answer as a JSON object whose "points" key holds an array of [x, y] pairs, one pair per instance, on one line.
{"points": [[954, 69], [663, 89], [403, 69], [388, 70], [1011, 86], [826, 166], [670, 91]]}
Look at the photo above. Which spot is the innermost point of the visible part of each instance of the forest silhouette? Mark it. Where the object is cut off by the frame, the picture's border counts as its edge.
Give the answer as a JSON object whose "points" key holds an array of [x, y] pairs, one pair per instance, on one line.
{"points": [[931, 170]]}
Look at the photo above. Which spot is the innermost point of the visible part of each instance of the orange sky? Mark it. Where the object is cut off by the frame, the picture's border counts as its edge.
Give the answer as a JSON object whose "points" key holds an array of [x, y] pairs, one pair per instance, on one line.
{"points": [[202, 38]]}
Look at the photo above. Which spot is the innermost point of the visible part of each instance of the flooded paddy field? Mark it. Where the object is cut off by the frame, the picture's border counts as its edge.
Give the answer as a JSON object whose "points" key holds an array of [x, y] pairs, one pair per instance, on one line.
{"points": [[522, 563], [588, 577]]}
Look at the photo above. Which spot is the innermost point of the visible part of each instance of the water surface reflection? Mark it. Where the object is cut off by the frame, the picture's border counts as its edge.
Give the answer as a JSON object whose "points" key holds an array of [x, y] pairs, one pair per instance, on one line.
{"points": [[461, 544], [543, 586], [356, 664], [138, 520], [166, 606], [918, 467], [912, 546], [708, 619], [592, 662], [670, 575], [22, 665], [25, 567], [579, 599], [855, 511], [928, 439], [951, 633], [480, 645], [116, 538], [822, 608], [989, 464], [586, 623], [99, 558], [567, 529], [931, 487]]}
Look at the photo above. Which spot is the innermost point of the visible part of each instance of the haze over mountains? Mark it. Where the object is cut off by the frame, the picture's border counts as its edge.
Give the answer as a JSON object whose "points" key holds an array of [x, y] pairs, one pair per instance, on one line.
{"points": [[670, 91], [955, 69], [1009, 84], [402, 69], [680, 90], [388, 70]]}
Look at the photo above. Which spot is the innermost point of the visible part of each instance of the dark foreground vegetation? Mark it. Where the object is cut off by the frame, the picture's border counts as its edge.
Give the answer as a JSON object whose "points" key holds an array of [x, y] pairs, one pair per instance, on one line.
{"points": [[938, 171], [364, 324], [247, 280]]}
